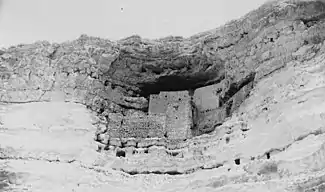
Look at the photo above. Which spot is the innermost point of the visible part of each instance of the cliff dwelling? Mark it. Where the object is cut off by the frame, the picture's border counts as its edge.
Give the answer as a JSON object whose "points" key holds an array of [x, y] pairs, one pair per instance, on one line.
{"points": [[237, 108], [174, 117], [169, 115]]}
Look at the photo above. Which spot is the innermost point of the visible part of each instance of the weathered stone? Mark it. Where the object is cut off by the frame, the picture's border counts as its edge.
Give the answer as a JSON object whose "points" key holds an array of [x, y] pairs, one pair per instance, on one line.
{"points": [[240, 96], [17, 178], [143, 126], [114, 124], [157, 151], [278, 48], [103, 138], [136, 102], [147, 142], [176, 144], [129, 151], [208, 121], [131, 143], [161, 142], [115, 142]]}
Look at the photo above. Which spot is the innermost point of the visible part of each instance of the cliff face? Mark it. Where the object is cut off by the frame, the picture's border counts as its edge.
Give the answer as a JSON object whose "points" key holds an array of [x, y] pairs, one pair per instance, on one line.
{"points": [[244, 84], [116, 76]]}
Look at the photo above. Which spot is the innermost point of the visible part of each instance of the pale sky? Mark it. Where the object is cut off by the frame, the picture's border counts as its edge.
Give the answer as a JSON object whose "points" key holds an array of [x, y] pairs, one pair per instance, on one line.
{"points": [[26, 21]]}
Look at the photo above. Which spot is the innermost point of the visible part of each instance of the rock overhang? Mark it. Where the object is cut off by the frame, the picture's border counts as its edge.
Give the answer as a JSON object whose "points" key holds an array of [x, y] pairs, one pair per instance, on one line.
{"points": [[239, 54]]}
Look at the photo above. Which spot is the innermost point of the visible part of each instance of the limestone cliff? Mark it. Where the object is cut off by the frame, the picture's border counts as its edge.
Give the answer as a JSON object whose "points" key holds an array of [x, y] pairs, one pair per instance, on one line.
{"points": [[241, 96], [117, 76]]}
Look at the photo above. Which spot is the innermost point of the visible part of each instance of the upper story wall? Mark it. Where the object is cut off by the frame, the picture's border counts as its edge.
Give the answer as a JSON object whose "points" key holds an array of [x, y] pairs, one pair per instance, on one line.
{"points": [[207, 98], [159, 103]]}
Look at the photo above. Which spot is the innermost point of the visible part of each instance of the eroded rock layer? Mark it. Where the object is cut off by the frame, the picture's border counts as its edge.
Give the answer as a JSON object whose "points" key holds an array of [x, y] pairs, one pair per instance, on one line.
{"points": [[237, 107]]}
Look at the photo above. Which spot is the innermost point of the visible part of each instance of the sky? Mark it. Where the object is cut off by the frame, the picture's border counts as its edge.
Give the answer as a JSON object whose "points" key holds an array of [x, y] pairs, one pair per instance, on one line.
{"points": [[27, 21]]}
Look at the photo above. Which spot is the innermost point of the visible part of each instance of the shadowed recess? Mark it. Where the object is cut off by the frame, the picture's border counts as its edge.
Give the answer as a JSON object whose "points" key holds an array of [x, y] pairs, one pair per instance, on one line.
{"points": [[179, 83]]}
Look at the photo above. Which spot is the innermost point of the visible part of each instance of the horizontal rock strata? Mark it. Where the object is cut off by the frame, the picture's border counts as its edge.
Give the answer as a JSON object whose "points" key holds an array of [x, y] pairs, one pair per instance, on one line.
{"points": [[240, 107]]}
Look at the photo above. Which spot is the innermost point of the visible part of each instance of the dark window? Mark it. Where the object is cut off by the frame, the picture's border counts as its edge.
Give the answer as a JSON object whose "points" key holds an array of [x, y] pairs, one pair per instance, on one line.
{"points": [[120, 153], [237, 161], [268, 155]]}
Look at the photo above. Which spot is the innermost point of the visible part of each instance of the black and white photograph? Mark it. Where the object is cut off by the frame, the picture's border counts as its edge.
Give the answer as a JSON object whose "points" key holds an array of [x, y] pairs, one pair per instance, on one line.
{"points": [[162, 96]]}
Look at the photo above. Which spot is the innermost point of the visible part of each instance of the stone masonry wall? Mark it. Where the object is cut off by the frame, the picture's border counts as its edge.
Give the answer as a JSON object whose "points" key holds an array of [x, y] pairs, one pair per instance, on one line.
{"points": [[157, 105], [178, 110], [114, 124], [207, 98], [143, 127], [179, 120], [137, 125]]}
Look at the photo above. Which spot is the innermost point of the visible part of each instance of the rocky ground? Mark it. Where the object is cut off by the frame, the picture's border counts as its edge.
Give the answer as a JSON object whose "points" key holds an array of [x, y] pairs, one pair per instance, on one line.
{"points": [[58, 102]]}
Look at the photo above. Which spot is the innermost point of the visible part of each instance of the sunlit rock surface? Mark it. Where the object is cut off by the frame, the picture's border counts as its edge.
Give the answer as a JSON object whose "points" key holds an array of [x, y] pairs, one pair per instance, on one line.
{"points": [[237, 108]]}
